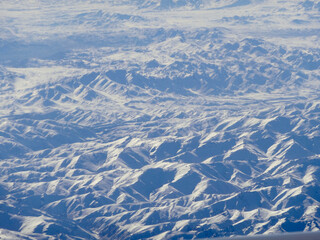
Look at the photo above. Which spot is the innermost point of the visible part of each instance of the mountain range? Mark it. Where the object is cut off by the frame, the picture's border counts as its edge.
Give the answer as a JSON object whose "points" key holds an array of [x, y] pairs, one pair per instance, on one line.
{"points": [[171, 119]]}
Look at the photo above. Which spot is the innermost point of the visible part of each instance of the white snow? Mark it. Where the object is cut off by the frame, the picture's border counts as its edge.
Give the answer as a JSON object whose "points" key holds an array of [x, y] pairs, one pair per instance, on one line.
{"points": [[158, 119]]}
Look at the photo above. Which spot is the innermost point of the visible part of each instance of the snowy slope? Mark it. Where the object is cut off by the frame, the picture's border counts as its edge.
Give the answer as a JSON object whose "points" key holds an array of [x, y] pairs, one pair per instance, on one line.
{"points": [[159, 119]]}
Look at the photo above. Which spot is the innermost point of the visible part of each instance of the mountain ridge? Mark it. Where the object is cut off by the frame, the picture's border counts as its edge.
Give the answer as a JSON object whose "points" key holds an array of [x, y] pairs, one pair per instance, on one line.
{"points": [[133, 120]]}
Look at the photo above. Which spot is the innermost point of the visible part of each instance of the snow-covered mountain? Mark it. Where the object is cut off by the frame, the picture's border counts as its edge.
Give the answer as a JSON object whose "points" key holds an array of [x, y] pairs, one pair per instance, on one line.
{"points": [[159, 119]]}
